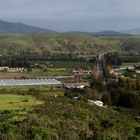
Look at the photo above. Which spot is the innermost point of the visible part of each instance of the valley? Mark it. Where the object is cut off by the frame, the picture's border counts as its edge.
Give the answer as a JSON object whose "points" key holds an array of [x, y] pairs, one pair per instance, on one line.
{"points": [[69, 86]]}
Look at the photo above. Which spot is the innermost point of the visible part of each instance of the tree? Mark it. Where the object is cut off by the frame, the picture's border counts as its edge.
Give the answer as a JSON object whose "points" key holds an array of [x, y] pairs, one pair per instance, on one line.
{"points": [[106, 99]]}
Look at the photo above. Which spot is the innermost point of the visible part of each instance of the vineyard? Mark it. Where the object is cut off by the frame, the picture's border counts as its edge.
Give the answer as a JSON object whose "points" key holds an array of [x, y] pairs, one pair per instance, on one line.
{"points": [[70, 64]]}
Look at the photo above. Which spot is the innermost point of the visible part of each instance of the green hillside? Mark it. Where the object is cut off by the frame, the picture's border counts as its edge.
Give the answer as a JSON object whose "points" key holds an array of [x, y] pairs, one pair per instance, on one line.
{"points": [[132, 44], [65, 43], [60, 118]]}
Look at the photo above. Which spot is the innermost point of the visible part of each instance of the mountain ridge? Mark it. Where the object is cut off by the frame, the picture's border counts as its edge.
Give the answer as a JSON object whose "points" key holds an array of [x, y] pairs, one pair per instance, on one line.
{"points": [[101, 33], [135, 31], [21, 28]]}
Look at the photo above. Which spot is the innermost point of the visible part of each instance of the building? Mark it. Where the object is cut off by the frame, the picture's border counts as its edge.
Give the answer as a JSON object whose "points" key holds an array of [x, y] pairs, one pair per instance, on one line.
{"points": [[4, 68], [75, 85], [82, 72], [12, 69]]}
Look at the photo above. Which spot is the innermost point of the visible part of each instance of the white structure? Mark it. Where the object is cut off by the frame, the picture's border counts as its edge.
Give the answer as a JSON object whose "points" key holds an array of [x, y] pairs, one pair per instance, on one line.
{"points": [[12, 69], [75, 85], [98, 103], [81, 86], [4, 68], [22, 82], [138, 71]]}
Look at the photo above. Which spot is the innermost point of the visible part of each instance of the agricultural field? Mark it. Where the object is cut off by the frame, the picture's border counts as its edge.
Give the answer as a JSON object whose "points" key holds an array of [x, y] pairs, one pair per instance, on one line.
{"points": [[14, 75], [50, 68], [75, 64], [50, 72]]}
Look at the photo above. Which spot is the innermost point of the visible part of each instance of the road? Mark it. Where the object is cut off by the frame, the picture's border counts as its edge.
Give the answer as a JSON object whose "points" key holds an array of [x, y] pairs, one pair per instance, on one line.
{"points": [[100, 67]]}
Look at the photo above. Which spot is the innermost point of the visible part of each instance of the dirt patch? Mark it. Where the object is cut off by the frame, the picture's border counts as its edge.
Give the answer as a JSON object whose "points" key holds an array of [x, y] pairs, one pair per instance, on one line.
{"points": [[14, 75]]}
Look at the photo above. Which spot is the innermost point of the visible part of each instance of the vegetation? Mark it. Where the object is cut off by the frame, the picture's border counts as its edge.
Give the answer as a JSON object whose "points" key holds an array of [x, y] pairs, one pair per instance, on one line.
{"points": [[112, 59], [63, 118], [64, 45], [17, 102], [132, 42], [52, 112]]}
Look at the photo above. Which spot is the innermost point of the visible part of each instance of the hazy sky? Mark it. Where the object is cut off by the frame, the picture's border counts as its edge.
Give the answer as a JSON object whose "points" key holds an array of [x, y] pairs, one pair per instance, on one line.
{"points": [[70, 15]]}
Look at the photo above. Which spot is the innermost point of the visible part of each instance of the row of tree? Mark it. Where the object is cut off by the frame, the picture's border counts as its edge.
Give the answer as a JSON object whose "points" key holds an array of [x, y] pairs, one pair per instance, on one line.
{"points": [[124, 92]]}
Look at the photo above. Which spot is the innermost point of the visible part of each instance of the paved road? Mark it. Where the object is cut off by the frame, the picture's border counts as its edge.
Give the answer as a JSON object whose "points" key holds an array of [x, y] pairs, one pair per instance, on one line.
{"points": [[100, 67]]}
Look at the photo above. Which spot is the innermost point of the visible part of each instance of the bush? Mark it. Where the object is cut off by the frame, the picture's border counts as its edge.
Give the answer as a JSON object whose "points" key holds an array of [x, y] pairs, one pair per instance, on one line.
{"points": [[34, 132], [106, 99]]}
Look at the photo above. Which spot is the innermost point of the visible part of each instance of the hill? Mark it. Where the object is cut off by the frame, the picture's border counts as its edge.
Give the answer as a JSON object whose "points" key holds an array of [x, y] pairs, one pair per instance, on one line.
{"points": [[78, 44], [60, 118], [102, 33], [20, 28], [133, 31], [108, 33], [75, 44]]}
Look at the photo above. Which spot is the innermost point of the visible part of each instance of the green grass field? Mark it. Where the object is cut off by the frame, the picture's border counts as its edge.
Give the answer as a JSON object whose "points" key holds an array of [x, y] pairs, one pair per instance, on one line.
{"points": [[17, 102], [15, 107]]}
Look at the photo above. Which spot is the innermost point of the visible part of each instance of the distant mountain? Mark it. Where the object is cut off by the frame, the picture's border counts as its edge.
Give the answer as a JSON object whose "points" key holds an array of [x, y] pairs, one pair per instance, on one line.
{"points": [[102, 33], [133, 31], [8, 27], [107, 33]]}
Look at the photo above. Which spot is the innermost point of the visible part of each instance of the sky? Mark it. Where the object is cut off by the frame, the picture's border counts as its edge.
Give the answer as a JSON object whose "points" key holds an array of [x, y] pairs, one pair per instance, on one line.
{"points": [[73, 15]]}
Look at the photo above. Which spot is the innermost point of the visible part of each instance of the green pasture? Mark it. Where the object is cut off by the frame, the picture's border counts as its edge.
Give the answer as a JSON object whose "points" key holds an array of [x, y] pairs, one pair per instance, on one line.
{"points": [[17, 102]]}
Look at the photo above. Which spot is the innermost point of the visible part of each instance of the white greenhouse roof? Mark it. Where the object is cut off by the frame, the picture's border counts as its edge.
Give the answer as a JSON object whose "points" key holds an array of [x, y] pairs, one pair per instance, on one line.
{"points": [[22, 82]]}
